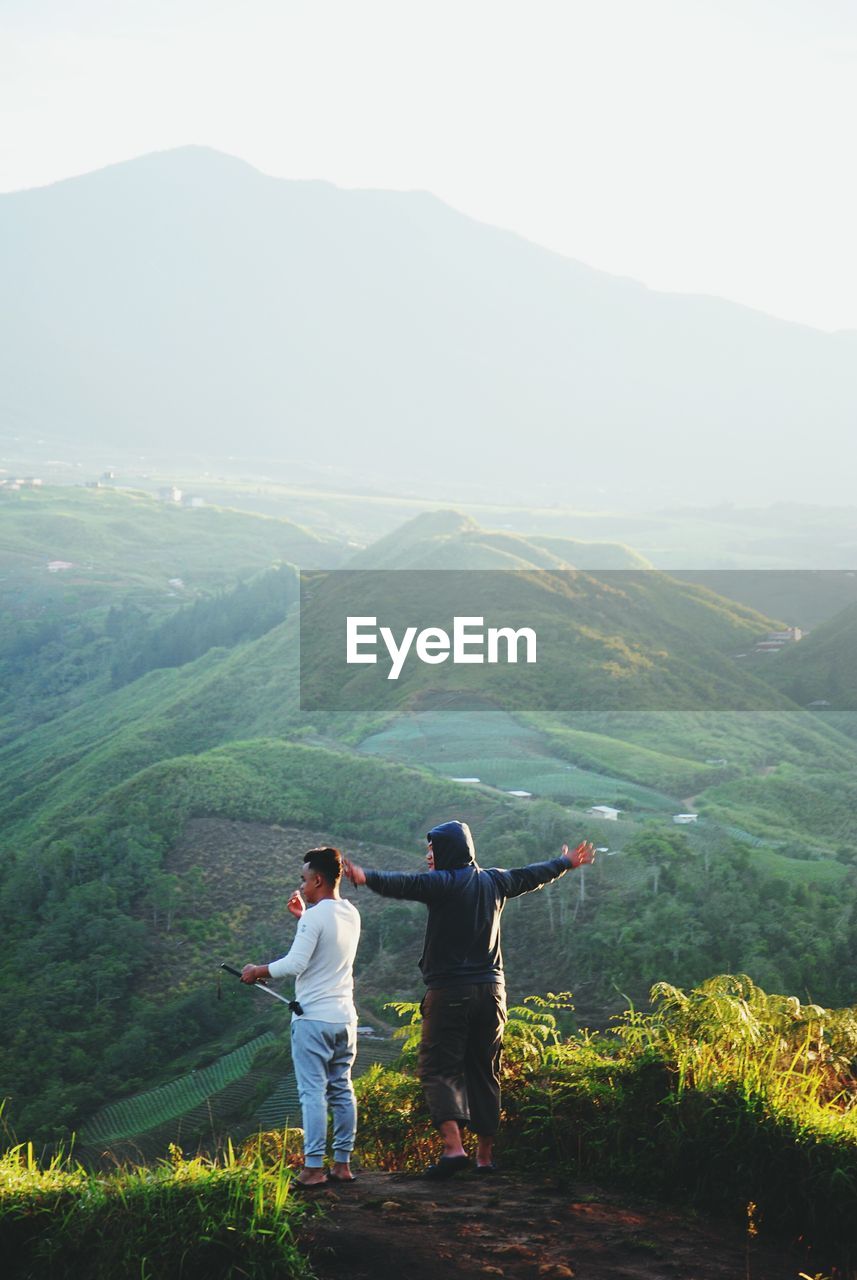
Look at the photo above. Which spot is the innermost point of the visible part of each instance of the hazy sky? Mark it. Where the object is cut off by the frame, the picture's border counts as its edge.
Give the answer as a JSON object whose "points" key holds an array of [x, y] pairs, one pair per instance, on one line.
{"points": [[697, 145]]}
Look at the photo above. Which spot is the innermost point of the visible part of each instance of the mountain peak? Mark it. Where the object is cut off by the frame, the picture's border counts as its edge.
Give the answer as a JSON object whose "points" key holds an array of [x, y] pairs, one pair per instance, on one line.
{"points": [[198, 301], [435, 524]]}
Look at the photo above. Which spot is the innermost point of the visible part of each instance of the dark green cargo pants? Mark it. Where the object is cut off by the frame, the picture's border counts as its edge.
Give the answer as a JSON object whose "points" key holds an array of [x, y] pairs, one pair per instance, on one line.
{"points": [[459, 1059]]}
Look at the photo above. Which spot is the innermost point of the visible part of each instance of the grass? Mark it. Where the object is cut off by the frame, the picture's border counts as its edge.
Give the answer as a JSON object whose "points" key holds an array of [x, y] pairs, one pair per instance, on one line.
{"points": [[185, 1218], [748, 741], [797, 871], [674, 774]]}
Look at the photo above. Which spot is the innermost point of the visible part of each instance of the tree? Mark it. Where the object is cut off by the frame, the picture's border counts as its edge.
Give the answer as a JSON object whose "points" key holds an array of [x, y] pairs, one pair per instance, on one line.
{"points": [[659, 849]]}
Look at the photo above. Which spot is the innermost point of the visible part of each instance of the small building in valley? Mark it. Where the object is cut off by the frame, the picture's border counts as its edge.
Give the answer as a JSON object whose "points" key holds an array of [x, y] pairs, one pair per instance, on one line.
{"points": [[604, 811]]}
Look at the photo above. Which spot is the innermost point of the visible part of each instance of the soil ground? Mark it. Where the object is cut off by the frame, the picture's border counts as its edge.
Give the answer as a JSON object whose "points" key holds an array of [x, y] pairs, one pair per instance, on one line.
{"points": [[391, 1226]]}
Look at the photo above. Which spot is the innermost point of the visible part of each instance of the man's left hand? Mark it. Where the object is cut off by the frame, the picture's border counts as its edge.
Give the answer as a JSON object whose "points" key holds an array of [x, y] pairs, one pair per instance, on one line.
{"points": [[252, 973], [581, 856]]}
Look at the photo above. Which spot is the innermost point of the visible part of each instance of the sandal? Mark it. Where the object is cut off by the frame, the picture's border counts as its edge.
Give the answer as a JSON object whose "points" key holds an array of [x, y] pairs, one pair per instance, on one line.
{"points": [[447, 1167]]}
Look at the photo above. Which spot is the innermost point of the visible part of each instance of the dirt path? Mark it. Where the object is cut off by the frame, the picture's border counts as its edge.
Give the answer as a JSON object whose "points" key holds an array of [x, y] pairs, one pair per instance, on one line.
{"points": [[396, 1227]]}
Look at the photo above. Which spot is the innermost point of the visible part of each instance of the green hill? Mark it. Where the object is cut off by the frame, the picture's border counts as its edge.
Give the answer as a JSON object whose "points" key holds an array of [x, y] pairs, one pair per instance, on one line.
{"points": [[88, 576], [821, 668], [786, 781], [190, 862], [617, 640], [689, 749], [451, 540], [122, 539]]}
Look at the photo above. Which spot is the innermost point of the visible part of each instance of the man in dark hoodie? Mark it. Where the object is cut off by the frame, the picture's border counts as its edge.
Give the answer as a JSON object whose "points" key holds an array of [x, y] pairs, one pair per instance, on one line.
{"points": [[464, 1008]]}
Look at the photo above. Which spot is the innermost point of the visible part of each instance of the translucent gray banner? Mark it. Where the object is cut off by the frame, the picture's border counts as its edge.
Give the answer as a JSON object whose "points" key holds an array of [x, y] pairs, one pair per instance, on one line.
{"points": [[566, 640]]}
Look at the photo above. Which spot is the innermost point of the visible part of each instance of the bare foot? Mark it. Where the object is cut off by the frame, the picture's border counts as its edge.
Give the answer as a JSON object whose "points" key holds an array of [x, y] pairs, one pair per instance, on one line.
{"points": [[484, 1153], [451, 1135]]}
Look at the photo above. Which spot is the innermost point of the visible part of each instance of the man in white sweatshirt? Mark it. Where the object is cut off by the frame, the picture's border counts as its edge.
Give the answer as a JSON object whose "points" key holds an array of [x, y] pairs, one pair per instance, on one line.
{"points": [[324, 1033]]}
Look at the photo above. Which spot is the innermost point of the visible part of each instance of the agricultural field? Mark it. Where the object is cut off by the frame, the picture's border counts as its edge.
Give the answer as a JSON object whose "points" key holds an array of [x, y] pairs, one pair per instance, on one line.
{"points": [[507, 754]]}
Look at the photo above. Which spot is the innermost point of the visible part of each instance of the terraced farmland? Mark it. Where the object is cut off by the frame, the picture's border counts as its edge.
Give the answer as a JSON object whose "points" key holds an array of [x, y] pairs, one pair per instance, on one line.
{"points": [[146, 1111]]}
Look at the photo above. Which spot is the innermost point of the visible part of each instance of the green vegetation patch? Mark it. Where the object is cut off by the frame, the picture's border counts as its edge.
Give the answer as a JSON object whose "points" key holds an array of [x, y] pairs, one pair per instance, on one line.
{"points": [[796, 806], [194, 1219], [800, 871], [717, 744], [656, 769]]}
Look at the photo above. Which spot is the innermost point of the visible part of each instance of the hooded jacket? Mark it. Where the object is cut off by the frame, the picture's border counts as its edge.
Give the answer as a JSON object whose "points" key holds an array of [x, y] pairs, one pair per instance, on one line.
{"points": [[462, 941]]}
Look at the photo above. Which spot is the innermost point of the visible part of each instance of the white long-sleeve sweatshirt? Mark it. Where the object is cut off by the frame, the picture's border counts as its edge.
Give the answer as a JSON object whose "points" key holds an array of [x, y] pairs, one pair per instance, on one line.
{"points": [[320, 960]]}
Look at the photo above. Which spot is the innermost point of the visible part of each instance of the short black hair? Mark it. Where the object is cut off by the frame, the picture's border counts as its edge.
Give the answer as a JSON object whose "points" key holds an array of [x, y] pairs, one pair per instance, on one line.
{"points": [[327, 861]]}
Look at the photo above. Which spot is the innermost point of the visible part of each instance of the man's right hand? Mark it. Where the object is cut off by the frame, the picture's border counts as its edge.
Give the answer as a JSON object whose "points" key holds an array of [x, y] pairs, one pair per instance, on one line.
{"points": [[296, 904], [355, 874], [581, 856]]}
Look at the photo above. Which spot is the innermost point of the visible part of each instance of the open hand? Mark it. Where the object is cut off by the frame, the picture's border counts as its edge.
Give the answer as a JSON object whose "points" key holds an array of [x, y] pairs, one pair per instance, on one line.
{"points": [[355, 874], [296, 904], [581, 856]]}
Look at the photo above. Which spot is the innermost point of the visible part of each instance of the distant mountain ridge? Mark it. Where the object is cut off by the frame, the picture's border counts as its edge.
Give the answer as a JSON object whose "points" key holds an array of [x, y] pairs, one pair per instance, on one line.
{"points": [[451, 540], [184, 301]]}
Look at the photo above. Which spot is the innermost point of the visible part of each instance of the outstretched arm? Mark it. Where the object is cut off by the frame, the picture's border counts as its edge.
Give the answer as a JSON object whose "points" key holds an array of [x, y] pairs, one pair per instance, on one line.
{"points": [[424, 886], [526, 879]]}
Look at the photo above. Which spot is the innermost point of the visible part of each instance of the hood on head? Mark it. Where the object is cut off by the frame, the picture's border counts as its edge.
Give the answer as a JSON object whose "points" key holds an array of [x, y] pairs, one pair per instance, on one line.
{"points": [[452, 846]]}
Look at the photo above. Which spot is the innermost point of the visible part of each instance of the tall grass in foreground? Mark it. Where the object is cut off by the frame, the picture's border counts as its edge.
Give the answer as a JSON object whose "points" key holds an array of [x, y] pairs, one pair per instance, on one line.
{"points": [[181, 1219], [723, 1096]]}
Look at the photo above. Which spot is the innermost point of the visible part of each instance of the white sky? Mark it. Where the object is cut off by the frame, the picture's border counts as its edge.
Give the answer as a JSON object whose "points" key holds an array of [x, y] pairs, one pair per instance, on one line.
{"points": [[697, 145]]}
